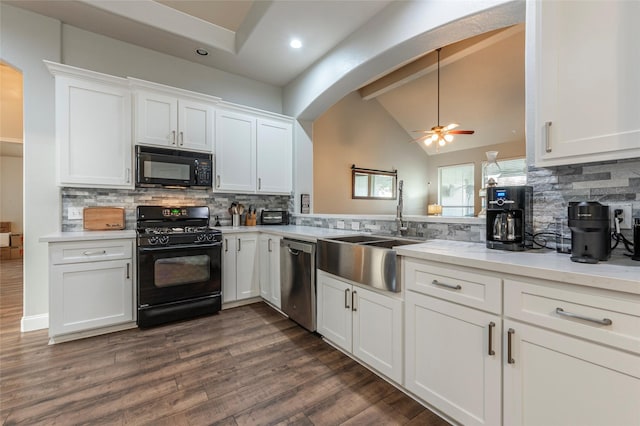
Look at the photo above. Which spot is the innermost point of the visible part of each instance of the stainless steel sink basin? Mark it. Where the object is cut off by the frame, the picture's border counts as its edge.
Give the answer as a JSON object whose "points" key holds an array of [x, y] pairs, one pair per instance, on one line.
{"points": [[365, 259]]}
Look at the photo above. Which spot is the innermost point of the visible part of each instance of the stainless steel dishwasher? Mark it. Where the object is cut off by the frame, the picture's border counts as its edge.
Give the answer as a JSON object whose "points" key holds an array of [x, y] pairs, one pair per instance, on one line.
{"points": [[298, 281]]}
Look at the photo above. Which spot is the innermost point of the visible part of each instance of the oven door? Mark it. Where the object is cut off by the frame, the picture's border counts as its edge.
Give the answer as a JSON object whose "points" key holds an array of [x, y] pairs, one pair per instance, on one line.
{"points": [[154, 169], [173, 274]]}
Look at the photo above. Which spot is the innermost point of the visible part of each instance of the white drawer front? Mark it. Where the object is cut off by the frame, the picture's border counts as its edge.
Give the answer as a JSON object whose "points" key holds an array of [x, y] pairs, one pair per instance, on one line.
{"points": [[90, 251], [466, 286], [604, 317]]}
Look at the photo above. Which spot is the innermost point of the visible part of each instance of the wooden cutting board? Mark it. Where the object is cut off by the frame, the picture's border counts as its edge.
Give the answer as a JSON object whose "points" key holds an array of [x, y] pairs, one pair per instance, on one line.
{"points": [[103, 218]]}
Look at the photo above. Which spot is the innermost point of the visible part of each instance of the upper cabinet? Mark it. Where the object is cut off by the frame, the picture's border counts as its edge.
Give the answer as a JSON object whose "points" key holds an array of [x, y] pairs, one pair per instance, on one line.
{"points": [[173, 118], [587, 65], [93, 128], [253, 152], [274, 156]]}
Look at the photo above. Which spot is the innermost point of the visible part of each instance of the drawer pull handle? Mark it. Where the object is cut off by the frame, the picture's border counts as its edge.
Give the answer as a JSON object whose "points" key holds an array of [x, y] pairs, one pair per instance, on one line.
{"points": [[603, 321], [491, 326], [346, 298], [510, 359], [353, 301], [94, 252], [128, 272], [451, 286]]}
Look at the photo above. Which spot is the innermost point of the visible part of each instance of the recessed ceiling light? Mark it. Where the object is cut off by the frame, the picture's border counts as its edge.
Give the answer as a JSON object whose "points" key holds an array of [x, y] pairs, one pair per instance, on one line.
{"points": [[295, 43], [202, 52]]}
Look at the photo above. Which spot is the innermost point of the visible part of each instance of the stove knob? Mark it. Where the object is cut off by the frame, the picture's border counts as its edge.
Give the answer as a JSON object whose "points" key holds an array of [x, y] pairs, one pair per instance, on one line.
{"points": [[210, 237], [163, 239], [201, 237], [153, 241]]}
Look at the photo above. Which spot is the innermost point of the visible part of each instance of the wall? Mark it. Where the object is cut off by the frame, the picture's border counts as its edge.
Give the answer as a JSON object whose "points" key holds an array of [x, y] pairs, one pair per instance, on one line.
{"points": [[25, 40], [11, 192], [361, 132], [475, 156], [103, 54]]}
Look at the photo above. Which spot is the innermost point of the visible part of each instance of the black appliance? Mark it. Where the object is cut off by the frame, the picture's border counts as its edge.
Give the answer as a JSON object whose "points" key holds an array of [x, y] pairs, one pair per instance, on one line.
{"points": [[160, 167], [179, 264], [509, 217], [590, 231], [274, 217]]}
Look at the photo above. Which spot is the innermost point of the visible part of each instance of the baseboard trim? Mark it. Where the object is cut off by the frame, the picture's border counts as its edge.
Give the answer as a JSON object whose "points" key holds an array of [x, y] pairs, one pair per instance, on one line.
{"points": [[34, 322]]}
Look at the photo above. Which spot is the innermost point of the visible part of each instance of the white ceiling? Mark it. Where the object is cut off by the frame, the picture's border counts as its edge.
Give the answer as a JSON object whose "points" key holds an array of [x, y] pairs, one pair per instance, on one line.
{"points": [[482, 81]]}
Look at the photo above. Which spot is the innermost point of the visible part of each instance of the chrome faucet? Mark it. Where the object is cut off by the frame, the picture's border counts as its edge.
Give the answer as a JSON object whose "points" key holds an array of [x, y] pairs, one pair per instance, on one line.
{"points": [[402, 228]]}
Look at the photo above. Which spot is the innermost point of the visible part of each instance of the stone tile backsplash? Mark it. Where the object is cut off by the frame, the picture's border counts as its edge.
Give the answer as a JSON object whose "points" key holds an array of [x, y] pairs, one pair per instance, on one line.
{"points": [[553, 188], [129, 199]]}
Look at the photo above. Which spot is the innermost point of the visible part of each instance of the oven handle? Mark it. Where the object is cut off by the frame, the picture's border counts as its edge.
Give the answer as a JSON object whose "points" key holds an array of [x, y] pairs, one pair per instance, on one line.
{"points": [[190, 246]]}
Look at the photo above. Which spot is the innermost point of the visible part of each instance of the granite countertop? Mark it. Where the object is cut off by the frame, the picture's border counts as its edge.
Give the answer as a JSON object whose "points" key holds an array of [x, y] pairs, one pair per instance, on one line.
{"points": [[620, 273], [87, 235], [304, 233]]}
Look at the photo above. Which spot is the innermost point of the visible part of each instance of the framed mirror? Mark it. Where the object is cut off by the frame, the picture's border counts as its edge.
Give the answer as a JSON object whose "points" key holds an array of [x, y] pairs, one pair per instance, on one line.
{"points": [[370, 184]]}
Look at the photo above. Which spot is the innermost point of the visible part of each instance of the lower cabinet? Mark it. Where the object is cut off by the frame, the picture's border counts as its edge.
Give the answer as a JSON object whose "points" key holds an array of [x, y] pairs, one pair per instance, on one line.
{"points": [[363, 322], [91, 286], [269, 260], [555, 379], [239, 267], [453, 358]]}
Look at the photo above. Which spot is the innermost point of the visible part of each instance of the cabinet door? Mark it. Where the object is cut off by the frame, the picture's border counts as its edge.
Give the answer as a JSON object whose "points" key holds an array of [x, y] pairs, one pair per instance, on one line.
{"points": [[156, 119], [90, 295], [274, 156], [269, 275], [229, 268], [377, 332], [235, 152], [555, 379], [448, 363], [587, 80], [334, 317], [247, 284], [93, 126], [195, 121]]}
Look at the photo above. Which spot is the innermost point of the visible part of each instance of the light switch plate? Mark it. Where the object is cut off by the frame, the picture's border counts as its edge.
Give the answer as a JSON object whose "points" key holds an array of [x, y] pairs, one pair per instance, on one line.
{"points": [[627, 220], [355, 226], [340, 224], [74, 213]]}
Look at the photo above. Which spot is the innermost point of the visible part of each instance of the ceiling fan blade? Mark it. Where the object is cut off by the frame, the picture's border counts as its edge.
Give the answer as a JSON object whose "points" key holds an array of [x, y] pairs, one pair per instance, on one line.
{"points": [[461, 132], [420, 139], [422, 131], [450, 126]]}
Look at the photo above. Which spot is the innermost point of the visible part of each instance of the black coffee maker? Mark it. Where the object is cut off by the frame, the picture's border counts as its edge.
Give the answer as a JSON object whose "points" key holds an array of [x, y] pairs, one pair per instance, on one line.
{"points": [[590, 231], [509, 217]]}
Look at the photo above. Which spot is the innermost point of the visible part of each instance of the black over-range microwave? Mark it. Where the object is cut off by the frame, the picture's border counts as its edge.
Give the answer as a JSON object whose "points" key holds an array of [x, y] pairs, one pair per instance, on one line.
{"points": [[160, 167]]}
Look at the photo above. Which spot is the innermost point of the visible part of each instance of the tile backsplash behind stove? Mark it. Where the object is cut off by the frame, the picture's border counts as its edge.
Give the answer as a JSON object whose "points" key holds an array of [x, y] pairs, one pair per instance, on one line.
{"points": [[129, 199]]}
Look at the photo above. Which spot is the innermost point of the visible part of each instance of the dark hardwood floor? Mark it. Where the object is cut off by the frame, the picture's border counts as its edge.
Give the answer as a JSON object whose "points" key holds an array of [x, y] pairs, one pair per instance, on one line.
{"points": [[243, 366]]}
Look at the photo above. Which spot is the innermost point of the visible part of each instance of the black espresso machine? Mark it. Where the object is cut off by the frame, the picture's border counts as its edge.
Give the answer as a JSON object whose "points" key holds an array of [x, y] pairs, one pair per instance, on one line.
{"points": [[509, 217]]}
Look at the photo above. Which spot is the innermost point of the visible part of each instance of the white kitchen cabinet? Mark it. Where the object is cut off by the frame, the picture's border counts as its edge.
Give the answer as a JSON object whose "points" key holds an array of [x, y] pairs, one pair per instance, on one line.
{"points": [[453, 340], [363, 322], [235, 152], [168, 120], [253, 154], [93, 128], [588, 93], [91, 288], [269, 260], [240, 267], [572, 355], [274, 156], [556, 379]]}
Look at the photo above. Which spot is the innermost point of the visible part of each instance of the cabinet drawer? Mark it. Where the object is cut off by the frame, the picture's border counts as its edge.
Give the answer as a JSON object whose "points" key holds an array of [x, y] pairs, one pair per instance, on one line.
{"points": [[605, 317], [466, 286], [90, 251]]}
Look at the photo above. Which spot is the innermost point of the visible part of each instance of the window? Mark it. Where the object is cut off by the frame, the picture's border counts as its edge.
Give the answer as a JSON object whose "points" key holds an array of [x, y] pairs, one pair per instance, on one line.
{"points": [[456, 190], [512, 172]]}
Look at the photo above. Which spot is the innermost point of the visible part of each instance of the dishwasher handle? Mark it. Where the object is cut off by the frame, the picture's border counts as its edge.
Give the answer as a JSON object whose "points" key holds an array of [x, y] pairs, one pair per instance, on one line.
{"points": [[296, 247]]}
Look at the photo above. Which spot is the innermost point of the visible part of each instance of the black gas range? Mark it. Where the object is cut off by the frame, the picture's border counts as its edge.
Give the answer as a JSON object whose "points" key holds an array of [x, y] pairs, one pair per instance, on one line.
{"points": [[179, 264]]}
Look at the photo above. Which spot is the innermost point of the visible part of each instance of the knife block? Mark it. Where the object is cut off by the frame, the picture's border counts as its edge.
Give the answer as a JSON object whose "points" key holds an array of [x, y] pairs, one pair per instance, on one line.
{"points": [[250, 219]]}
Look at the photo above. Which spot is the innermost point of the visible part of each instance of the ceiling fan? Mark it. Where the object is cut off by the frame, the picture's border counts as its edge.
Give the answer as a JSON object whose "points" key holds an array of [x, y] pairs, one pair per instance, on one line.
{"points": [[440, 134]]}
